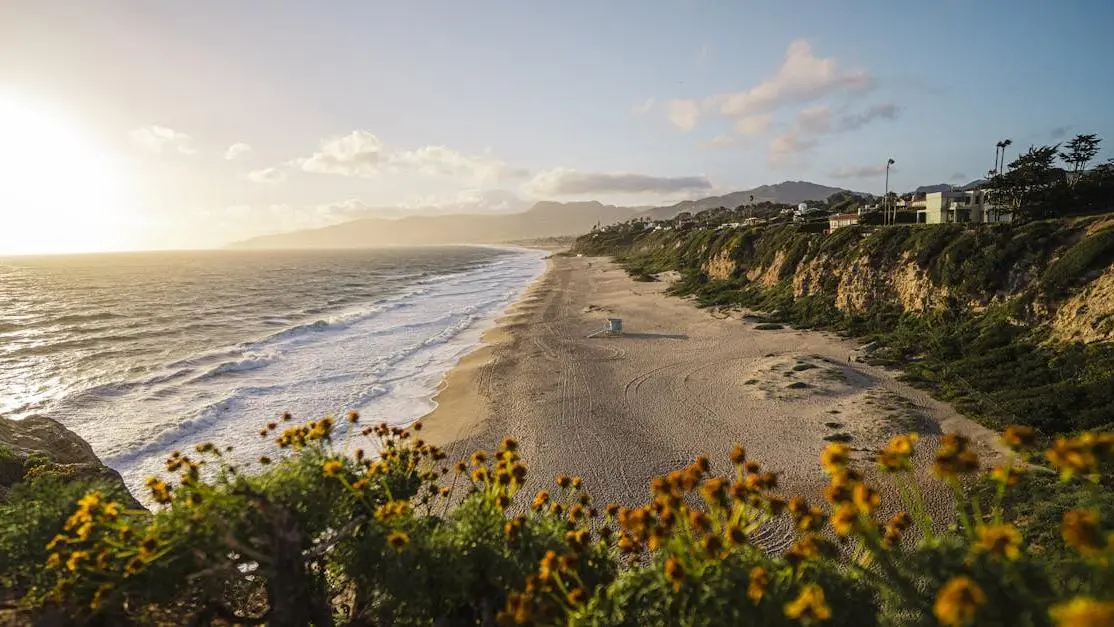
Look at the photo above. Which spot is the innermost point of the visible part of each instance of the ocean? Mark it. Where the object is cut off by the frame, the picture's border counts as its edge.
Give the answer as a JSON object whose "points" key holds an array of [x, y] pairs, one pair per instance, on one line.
{"points": [[144, 353]]}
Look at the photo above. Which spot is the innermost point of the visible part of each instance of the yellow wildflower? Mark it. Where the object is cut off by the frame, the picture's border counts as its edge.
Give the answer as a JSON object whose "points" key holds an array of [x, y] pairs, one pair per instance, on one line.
{"points": [[548, 566], [1017, 437], [674, 572], [958, 601], [398, 540], [90, 501], [759, 580], [954, 457], [835, 456], [738, 455], [865, 498], [735, 535], [1081, 531], [999, 540], [809, 606], [1074, 456], [843, 520], [1007, 475], [1083, 612], [332, 467], [147, 548], [895, 457], [75, 559]]}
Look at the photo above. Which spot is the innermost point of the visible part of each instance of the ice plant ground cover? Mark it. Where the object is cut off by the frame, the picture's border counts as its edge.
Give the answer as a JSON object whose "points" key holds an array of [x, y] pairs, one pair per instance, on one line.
{"points": [[404, 537]]}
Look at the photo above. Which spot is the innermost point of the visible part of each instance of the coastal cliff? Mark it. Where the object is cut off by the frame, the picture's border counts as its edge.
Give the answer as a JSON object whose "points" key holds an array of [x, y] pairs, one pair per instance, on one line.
{"points": [[37, 446], [1012, 322]]}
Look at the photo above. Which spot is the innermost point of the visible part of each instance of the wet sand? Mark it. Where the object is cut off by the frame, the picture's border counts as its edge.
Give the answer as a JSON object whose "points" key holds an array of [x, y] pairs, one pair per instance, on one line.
{"points": [[680, 382]]}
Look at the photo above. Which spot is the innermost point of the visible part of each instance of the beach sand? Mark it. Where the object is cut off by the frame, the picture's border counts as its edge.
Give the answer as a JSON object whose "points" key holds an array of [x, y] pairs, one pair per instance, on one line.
{"points": [[680, 382]]}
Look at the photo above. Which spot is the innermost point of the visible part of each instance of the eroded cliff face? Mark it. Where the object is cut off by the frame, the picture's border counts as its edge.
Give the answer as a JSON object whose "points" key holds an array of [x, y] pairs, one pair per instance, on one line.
{"points": [[1088, 316], [918, 269]]}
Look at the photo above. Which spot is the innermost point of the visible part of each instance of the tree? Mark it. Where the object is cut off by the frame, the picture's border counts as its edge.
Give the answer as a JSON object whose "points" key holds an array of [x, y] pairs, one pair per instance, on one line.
{"points": [[1081, 150], [1025, 189], [1006, 143]]}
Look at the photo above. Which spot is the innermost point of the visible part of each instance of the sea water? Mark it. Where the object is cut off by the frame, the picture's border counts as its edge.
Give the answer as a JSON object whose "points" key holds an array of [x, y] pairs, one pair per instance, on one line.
{"points": [[145, 353]]}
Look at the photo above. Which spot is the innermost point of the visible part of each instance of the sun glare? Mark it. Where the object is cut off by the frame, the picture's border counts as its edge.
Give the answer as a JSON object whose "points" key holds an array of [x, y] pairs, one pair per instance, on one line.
{"points": [[59, 192]]}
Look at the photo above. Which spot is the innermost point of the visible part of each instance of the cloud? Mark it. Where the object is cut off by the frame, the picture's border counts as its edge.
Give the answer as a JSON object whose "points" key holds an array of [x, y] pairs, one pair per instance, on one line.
{"points": [[860, 171], [354, 154], [441, 160], [801, 78], [268, 175], [958, 176], [785, 147], [1059, 132], [565, 182], [644, 106], [721, 141], [159, 138], [684, 114], [855, 121], [754, 125], [235, 150], [815, 120]]}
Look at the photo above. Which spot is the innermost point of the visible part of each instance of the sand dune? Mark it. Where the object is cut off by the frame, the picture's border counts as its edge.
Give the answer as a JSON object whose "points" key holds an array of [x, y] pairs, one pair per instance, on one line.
{"points": [[679, 383]]}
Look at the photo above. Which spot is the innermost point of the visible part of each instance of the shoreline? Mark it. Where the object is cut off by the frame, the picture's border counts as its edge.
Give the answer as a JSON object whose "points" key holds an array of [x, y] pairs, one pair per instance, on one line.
{"points": [[458, 392]]}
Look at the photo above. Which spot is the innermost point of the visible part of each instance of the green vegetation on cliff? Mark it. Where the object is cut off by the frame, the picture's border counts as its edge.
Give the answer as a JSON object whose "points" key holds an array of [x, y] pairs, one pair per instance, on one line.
{"points": [[968, 311]]}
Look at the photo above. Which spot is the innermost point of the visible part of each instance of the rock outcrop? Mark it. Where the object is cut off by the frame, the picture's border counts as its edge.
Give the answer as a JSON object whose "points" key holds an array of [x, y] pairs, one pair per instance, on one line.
{"points": [[38, 444]]}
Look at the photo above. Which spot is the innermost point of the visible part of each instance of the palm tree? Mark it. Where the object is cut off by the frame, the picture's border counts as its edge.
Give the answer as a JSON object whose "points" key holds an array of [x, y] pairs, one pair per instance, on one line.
{"points": [[1005, 144], [997, 150]]}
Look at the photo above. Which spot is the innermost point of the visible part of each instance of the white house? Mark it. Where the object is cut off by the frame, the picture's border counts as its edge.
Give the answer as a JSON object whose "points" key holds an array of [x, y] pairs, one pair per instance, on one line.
{"points": [[841, 220], [948, 207]]}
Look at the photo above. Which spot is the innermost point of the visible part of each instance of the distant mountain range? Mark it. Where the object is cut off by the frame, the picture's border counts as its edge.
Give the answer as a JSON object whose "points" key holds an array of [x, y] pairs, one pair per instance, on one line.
{"points": [[544, 219], [787, 193]]}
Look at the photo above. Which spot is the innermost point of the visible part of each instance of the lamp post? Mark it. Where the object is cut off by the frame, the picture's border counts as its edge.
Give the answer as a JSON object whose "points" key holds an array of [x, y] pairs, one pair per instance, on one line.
{"points": [[886, 196]]}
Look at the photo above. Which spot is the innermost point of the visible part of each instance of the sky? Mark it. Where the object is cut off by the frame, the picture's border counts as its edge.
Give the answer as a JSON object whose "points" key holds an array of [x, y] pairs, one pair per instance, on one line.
{"points": [[146, 125]]}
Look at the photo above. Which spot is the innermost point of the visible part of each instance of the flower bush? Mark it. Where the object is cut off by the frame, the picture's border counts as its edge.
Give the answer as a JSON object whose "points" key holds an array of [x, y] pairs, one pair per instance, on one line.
{"points": [[325, 534]]}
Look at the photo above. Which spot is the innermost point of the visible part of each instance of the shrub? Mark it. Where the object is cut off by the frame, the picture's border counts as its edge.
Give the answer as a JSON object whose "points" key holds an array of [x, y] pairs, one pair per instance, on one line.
{"points": [[319, 537]]}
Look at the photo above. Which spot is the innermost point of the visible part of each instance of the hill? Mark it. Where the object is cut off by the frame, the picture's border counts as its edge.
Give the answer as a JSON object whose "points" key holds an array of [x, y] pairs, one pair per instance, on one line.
{"points": [[786, 192], [543, 220]]}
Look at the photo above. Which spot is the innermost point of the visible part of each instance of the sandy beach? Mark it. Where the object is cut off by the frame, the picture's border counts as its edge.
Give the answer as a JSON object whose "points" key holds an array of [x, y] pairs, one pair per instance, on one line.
{"points": [[680, 382]]}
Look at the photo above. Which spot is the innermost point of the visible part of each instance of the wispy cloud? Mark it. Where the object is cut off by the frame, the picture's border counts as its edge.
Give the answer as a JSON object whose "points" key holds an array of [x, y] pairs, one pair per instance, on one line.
{"points": [[268, 175], [786, 146], [958, 176], [441, 160], [754, 125], [645, 106], [566, 182], [860, 171], [811, 123], [855, 121], [159, 138], [235, 150], [802, 78]]}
